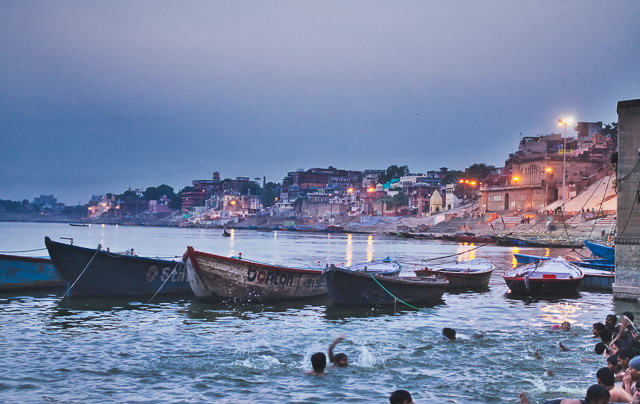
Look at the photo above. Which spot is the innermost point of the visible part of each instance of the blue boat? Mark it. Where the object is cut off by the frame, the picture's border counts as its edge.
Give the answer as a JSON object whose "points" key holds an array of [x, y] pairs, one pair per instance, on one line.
{"points": [[95, 272], [595, 279], [27, 273], [530, 259], [600, 250]]}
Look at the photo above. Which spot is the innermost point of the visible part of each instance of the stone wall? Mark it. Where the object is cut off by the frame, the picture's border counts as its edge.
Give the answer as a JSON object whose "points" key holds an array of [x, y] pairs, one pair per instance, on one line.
{"points": [[627, 283]]}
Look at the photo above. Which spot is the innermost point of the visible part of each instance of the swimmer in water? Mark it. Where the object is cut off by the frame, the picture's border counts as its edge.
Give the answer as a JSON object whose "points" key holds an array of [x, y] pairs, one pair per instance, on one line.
{"points": [[340, 359]]}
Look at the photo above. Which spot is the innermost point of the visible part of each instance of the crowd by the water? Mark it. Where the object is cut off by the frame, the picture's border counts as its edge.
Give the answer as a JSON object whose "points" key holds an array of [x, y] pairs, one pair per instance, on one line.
{"points": [[618, 380]]}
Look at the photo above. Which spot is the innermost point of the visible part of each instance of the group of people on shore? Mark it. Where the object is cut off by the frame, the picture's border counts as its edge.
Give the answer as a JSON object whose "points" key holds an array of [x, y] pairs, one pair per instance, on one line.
{"points": [[618, 381]]}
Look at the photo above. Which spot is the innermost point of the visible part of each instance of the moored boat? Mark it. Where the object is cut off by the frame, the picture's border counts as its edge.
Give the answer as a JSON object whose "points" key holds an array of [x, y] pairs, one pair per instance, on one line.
{"points": [[18, 272], [386, 266], [528, 259], [600, 250], [95, 272], [547, 277], [475, 273], [353, 288], [473, 238], [217, 278], [596, 279]]}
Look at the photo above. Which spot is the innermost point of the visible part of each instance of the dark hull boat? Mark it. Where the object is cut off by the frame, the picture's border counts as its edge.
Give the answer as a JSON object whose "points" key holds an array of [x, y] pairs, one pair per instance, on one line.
{"points": [[549, 277], [217, 278], [521, 242], [475, 273], [110, 274], [473, 238], [595, 279], [27, 273], [353, 288]]}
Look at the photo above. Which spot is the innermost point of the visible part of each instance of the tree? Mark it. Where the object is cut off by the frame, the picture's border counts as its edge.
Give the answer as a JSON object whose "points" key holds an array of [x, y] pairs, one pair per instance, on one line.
{"points": [[269, 194], [479, 171], [392, 172], [452, 177], [611, 131], [249, 188]]}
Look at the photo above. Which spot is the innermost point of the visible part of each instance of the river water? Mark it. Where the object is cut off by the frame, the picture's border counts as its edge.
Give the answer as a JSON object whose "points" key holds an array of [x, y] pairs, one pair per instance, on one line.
{"points": [[179, 350]]}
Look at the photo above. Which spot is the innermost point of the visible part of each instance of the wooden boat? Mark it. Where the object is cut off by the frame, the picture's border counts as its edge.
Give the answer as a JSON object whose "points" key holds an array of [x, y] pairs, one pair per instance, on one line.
{"points": [[353, 288], [595, 279], [110, 274], [521, 242], [470, 274], [386, 266], [527, 259], [600, 250], [217, 278], [548, 277], [18, 272], [473, 238]]}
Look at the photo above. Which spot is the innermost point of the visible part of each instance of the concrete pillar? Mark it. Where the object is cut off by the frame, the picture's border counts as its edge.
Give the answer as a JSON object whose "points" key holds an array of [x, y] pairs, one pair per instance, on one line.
{"points": [[627, 283]]}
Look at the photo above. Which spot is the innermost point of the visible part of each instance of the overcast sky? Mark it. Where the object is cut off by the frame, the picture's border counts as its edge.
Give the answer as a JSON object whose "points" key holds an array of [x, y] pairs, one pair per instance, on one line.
{"points": [[97, 96]]}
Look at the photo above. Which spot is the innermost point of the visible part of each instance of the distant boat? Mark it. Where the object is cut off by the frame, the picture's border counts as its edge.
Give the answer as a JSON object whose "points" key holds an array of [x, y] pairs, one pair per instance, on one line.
{"points": [[354, 288], [25, 273], [475, 273], [79, 224], [385, 266], [225, 233], [218, 278], [600, 250], [473, 238], [95, 272], [548, 277], [521, 242]]}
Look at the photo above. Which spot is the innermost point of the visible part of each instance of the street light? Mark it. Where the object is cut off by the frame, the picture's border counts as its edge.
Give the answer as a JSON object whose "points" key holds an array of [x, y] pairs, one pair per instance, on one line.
{"points": [[548, 171], [565, 122]]}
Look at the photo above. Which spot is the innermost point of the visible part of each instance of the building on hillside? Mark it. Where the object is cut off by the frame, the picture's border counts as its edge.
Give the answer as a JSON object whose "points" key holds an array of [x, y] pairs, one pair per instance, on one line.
{"points": [[435, 203], [532, 176], [451, 200]]}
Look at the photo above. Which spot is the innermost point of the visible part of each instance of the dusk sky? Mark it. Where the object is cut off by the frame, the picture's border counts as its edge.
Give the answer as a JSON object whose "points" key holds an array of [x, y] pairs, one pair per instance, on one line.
{"points": [[97, 96]]}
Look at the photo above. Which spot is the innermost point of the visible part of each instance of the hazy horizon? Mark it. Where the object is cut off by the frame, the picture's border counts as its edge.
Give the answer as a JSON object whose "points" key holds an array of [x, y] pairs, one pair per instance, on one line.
{"points": [[101, 96]]}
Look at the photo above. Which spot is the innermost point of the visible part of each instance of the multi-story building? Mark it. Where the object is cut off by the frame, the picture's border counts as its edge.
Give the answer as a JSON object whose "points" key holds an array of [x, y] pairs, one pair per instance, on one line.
{"points": [[532, 176]]}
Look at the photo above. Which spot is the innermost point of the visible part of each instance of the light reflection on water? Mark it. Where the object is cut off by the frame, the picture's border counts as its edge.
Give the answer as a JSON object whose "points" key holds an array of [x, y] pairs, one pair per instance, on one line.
{"points": [[177, 349]]}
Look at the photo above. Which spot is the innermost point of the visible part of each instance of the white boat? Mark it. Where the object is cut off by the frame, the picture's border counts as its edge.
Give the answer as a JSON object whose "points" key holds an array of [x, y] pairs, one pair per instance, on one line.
{"points": [[386, 266]]}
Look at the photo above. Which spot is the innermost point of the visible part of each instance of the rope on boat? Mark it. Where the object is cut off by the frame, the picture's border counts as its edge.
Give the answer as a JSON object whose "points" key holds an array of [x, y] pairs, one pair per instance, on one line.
{"points": [[165, 281], [392, 295], [11, 252], [81, 273]]}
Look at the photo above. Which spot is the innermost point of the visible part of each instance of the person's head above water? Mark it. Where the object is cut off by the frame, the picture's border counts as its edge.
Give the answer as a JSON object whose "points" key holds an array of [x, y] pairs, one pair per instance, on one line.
{"points": [[319, 362], [597, 394], [449, 333], [341, 360], [566, 326], [400, 397]]}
